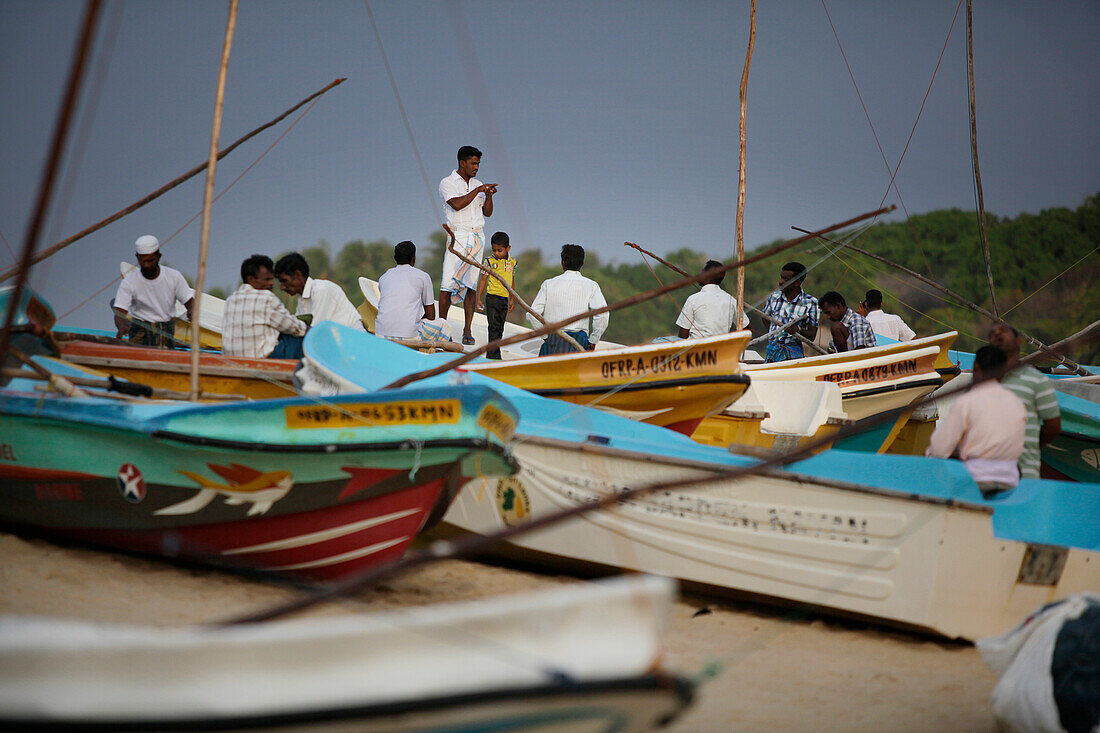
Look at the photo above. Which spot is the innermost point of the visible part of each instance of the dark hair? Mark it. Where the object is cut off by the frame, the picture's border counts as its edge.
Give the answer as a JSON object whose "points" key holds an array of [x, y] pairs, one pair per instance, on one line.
{"points": [[404, 253], [468, 151], [990, 360], [500, 238], [873, 299], [795, 268], [833, 298], [291, 263], [1010, 327], [251, 266], [572, 256], [714, 265]]}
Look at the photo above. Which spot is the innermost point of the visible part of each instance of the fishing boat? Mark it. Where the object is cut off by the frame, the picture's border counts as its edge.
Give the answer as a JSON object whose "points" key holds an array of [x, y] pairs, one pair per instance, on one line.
{"points": [[1075, 452], [674, 385], [903, 539], [317, 489], [585, 657], [873, 380]]}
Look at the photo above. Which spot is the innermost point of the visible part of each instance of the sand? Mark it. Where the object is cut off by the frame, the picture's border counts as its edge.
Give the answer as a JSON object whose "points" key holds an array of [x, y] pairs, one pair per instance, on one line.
{"points": [[764, 668]]}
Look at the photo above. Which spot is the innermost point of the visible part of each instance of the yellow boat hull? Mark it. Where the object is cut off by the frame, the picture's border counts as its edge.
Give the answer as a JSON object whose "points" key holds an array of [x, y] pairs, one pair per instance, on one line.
{"points": [[674, 384]]}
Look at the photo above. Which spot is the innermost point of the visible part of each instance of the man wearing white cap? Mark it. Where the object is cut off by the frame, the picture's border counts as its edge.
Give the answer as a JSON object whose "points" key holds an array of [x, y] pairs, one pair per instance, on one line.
{"points": [[145, 305]]}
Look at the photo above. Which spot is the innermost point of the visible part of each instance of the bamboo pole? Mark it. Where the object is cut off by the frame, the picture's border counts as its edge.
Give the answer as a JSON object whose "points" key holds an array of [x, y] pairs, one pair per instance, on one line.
{"points": [[7, 274], [774, 321], [522, 303], [1083, 334], [208, 198], [53, 163], [633, 300], [961, 300], [740, 290], [974, 157]]}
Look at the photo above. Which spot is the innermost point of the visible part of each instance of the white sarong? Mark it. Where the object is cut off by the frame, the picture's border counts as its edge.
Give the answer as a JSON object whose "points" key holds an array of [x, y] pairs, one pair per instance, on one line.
{"points": [[459, 275]]}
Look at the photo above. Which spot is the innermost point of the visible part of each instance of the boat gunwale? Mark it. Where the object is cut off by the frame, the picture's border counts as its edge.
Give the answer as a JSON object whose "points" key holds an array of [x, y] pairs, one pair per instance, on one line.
{"points": [[641, 386]]}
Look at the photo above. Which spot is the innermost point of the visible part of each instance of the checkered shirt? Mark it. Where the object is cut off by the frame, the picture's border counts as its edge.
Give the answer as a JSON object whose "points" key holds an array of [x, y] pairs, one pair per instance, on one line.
{"points": [[785, 311]]}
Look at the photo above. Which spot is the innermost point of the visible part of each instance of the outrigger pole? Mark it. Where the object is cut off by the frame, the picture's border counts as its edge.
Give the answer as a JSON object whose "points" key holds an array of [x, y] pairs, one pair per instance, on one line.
{"points": [[48, 252], [208, 198], [741, 166], [962, 301], [57, 149], [632, 300]]}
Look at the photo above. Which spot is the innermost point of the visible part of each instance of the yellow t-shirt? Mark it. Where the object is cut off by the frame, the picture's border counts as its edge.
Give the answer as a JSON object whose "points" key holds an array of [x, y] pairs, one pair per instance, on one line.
{"points": [[506, 269]]}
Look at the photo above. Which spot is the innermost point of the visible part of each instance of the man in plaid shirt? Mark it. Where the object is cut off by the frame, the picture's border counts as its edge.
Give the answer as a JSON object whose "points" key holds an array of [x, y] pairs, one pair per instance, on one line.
{"points": [[255, 323], [850, 329], [791, 306]]}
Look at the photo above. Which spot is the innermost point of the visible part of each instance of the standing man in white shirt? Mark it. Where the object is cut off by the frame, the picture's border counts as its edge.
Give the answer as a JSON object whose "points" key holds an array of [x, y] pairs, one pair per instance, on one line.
{"points": [[568, 294], [466, 204], [255, 323], [324, 300], [405, 297], [709, 312], [145, 305], [884, 324]]}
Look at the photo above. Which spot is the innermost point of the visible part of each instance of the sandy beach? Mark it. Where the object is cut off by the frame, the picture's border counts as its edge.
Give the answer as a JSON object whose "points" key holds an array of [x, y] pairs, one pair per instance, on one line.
{"points": [[764, 668]]}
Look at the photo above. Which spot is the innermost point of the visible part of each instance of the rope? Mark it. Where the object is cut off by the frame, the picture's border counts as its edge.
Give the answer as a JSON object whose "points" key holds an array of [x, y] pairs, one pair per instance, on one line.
{"points": [[1048, 282]]}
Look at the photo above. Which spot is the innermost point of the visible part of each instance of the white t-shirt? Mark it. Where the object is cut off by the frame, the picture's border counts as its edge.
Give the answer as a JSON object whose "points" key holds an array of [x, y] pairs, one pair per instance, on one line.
{"points": [[153, 300], [709, 312], [890, 326], [403, 293], [470, 217], [326, 301], [566, 295]]}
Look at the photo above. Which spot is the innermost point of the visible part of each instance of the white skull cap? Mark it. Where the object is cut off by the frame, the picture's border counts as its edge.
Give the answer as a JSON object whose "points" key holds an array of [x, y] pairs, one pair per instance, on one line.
{"points": [[147, 244]]}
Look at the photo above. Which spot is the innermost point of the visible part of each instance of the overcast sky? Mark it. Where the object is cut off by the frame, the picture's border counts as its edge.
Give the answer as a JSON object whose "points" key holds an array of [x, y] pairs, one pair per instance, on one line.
{"points": [[602, 121]]}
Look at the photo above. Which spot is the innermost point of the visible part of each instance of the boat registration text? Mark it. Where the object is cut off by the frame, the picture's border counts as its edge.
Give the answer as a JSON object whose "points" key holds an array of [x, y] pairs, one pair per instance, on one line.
{"points": [[370, 414], [880, 372], [634, 367]]}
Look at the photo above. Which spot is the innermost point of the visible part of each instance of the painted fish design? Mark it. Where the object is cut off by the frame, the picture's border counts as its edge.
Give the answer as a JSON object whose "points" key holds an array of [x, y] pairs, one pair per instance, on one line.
{"points": [[244, 485]]}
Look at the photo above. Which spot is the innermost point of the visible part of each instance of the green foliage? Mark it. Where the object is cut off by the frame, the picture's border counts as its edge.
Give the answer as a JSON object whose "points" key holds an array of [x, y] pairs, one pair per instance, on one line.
{"points": [[1027, 252]]}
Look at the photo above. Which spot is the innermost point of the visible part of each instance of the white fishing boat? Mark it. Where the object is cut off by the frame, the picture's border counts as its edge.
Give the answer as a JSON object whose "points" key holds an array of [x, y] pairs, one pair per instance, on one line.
{"points": [[904, 539], [581, 658]]}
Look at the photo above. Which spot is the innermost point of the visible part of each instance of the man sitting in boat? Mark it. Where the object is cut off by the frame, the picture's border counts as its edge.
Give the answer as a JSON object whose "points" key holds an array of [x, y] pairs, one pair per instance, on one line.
{"points": [[1035, 390], [850, 329], [709, 312], [323, 300], [256, 324], [145, 304], [406, 300], [985, 427], [796, 309], [884, 324], [569, 294]]}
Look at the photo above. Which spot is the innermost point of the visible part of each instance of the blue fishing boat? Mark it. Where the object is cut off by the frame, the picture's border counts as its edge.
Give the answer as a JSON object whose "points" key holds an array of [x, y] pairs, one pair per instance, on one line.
{"points": [[902, 538], [318, 489]]}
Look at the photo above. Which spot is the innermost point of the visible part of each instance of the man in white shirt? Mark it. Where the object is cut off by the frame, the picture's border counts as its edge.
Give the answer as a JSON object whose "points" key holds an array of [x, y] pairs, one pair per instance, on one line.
{"points": [[145, 305], [405, 297], [324, 300], [255, 323], [711, 311], [568, 294], [884, 324], [985, 427], [466, 204]]}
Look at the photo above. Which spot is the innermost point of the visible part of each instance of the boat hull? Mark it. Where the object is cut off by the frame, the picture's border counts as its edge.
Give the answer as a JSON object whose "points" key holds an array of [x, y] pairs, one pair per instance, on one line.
{"points": [[270, 486], [925, 564]]}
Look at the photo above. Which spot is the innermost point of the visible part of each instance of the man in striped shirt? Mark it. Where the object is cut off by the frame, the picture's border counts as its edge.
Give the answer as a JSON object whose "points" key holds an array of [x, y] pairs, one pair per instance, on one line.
{"points": [[1044, 419], [568, 294], [255, 323], [850, 329]]}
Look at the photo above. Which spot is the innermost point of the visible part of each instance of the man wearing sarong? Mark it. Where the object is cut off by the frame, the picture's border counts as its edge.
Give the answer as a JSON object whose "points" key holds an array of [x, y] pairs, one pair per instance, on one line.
{"points": [[570, 293], [466, 203], [794, 308]]}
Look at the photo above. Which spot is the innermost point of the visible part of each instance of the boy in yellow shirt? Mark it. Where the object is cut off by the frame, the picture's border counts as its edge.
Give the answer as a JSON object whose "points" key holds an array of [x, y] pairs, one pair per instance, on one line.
{"points": [[498, 302]]}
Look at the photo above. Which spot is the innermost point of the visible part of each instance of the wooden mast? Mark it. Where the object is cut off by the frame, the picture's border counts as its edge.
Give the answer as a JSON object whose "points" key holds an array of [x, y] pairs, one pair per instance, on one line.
{"points": [[740, 289], [208, 197], [974, 156]]}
